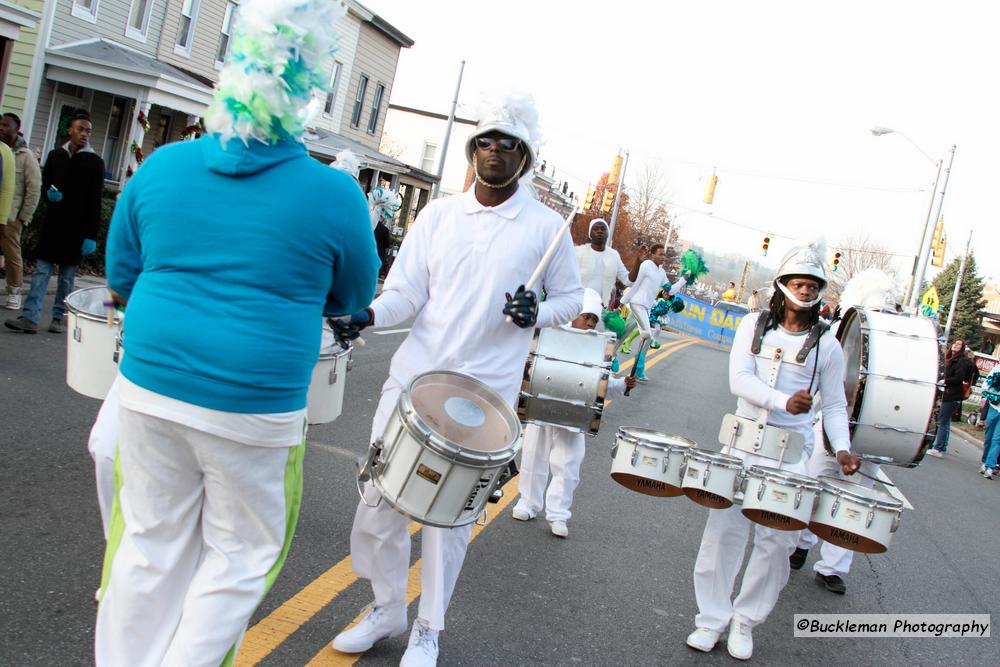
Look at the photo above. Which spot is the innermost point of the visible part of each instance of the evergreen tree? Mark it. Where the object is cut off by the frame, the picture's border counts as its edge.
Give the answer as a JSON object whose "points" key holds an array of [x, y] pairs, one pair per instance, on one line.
{"points": [[966, 324]]}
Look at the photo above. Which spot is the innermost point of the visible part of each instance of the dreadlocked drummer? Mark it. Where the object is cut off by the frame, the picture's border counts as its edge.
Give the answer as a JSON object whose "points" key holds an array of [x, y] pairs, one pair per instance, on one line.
{"points": [[452, 272], [792, 324]]}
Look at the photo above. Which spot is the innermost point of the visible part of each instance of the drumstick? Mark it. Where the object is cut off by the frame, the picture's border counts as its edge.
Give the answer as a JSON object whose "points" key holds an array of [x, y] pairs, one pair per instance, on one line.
{"points": [[635, 366], [547, 257]]}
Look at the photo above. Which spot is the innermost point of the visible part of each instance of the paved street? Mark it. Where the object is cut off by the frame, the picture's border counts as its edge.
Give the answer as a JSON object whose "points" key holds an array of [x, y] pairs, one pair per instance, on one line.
{"points": [[618, 591]]}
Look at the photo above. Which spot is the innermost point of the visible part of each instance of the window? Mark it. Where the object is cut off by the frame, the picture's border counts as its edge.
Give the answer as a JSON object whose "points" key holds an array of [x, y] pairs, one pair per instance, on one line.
{"points": [[331, 96], [376, 103], [138, 19], [85, 9], [359, 101], [227, 26], [112, 152], [185, 31], [427, 159], [164, 123]]}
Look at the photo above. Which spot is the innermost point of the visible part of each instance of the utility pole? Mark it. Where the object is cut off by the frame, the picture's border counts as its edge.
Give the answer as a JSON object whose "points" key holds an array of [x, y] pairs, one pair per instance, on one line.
{"points": [[958, 287], [743, 281], [447, 133], [618, 200], [919, 282], [913, 286]]}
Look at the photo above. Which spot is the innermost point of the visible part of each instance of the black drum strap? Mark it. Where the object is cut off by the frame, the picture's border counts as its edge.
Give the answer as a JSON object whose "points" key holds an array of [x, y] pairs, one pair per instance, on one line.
{"points": [[758, 333], [815, 334]]}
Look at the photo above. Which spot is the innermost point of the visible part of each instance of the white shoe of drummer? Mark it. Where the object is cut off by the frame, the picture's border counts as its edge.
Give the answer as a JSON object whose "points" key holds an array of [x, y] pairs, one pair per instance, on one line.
{"points": [[522, 514], [703, 639], [380, 623], [559, 528], [422, 650], [740, 642]]}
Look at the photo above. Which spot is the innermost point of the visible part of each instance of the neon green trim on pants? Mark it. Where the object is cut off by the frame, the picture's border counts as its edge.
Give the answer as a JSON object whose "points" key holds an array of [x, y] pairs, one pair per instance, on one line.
{"points": [[115, 531], [293, 500]]}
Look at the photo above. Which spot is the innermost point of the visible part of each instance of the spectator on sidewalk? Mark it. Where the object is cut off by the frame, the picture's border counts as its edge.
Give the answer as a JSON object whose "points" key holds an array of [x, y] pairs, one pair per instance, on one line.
{"points": [[6, 181], [73, 180], [991, 438], [957, 371], [27, 186]]}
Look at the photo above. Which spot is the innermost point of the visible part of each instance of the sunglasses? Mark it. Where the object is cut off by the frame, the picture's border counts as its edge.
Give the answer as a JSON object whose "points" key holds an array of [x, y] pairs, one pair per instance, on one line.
{"points": [[506, 144]]}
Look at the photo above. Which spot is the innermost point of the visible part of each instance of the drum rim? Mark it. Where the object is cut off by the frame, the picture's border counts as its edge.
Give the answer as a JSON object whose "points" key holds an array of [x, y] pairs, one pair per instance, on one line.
{"points": [[76, 310], [778, 475], [417, 427], [884, 501], [664, 446], [717, 458], [339, 352]]}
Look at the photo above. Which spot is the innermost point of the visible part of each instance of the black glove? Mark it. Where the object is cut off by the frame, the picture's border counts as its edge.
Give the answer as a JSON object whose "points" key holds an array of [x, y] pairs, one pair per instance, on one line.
{"points": [[522, 307], [347, 330]]}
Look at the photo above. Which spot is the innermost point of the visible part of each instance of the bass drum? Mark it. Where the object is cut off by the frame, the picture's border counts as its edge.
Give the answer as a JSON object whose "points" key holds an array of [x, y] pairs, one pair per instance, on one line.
{"points": [[891, 365]]}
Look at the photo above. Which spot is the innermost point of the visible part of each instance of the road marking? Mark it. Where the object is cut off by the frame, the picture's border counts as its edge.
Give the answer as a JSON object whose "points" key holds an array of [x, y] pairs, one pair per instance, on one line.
{"points": [[333, 449], [655, 354], [268, 634], [893, 490], [386, 332], [327, 657]]}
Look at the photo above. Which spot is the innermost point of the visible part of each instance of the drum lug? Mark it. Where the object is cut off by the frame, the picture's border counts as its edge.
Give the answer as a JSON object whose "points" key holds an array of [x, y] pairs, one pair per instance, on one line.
{"points": [[614, 450], [365, 471], [76, 334], [635, 456], [895, 522], [871, 517], [333, 375], [481, 520], [834, 507], [666, 463], [704, 479], [350, 361], [798, 499], [760, 490]]}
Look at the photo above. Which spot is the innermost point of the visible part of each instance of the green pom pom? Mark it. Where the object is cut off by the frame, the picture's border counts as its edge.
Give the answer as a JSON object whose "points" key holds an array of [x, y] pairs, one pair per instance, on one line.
{"points": [[693, 265]]}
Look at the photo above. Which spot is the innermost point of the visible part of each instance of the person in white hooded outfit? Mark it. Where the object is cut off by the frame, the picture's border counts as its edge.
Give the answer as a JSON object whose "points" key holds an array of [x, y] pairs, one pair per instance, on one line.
{"points": [[868, 289], [453, 273], [558, 449], [778, 387], [600, 266]]}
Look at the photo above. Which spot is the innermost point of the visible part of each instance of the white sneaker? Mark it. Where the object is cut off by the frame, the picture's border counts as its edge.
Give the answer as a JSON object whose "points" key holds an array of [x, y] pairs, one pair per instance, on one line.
{"points": [[521, 515], [703, 639], [935, 453], [982, 468], [422, 650], [13, 302], [989, 473], [380, 623], [559, 528], [740, 643]]}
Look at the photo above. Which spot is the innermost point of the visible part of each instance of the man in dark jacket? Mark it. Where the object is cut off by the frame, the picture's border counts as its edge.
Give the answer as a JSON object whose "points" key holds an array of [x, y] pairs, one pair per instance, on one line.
{"points": [[383, 239], [957, 371], [72, 182]]}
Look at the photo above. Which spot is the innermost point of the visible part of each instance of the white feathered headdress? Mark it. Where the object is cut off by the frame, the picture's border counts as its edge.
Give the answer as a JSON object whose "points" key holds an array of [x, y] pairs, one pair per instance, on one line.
{"points": [[276, 61], [514, 115], [347, 160], [870, 288]]}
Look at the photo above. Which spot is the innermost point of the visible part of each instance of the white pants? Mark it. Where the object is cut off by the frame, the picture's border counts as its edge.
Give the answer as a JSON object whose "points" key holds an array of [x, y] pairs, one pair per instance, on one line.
{"points": [[720, 558], [200, 530], [833, 559], [641, 315], [102, 445], [561, 450], [380, 544]]}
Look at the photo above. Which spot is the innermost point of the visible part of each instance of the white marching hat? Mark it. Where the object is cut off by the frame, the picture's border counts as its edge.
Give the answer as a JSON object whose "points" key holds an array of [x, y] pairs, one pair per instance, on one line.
{"points": [[514, 116], [591, 303], [802, 260]]}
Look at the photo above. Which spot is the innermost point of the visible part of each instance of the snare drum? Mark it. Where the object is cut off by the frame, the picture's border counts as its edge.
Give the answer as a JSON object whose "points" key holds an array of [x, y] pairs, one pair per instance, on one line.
{"points": [[91, 350], [891, 381], [855, 517], [777, 498], [711, 479], [648, 461], [325, 400], [444, 448], [566, 378]]}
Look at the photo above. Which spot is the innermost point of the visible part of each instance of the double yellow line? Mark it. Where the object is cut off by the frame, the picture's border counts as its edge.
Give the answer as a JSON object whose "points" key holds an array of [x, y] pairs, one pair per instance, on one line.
{"points": [[267, 635]]}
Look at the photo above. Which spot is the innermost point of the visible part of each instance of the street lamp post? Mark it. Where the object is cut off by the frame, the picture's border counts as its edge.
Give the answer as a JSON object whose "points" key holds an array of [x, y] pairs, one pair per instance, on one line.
{"points": [[920, 260]]}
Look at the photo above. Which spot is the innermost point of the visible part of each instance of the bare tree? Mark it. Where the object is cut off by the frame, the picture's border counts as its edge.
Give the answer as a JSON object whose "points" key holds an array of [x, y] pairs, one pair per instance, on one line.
{"points": [[391, 146], [646, 207], [857, 253]]}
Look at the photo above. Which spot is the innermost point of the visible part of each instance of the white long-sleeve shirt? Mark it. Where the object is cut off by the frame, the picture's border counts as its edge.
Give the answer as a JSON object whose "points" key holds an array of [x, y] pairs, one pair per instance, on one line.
{"points": [[453, 272], [746, 373], [599, 270], [647, 283]]}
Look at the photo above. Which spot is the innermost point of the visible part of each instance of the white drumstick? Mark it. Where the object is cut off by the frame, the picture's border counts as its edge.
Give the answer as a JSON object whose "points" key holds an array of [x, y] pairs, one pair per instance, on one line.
{"points": [[547, 257]]}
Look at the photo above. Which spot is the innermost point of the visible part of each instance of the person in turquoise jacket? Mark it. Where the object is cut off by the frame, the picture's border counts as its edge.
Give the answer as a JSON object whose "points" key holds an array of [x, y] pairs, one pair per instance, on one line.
{"points": [[227, 252]]}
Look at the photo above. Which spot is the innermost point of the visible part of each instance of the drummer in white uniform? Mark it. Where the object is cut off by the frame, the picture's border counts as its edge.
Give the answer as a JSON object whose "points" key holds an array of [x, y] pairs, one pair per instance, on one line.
{"points": [[561, 450], [454, 273], [868, 289], [792, 323]]}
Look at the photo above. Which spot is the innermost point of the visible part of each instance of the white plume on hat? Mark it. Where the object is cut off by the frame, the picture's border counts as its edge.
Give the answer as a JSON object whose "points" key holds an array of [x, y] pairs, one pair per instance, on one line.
{"points": [[347, 160], [870, 288], [513, 114], [591, 303]]}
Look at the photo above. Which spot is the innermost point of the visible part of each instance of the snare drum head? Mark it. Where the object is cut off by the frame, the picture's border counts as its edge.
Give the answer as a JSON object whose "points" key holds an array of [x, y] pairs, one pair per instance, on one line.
{"points": [[859, 492], [89, 302], [464, 412], [656, 439]]}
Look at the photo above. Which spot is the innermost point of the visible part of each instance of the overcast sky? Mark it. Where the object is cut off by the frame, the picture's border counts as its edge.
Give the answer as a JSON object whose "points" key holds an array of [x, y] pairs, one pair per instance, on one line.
{"points": [[779, 97]]}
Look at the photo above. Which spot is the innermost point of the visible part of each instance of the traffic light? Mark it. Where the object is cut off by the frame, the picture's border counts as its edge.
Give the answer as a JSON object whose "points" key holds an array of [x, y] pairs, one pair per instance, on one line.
{"points": [[764, 245], [713, 180], [938, 258], [588, 201], [609, 200], [835, 262], [616, 170]]}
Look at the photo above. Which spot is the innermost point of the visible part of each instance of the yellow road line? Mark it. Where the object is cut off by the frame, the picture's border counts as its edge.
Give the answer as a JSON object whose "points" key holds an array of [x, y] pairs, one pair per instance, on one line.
{"points": [[687, 343], [327, 657], [280, 624], [654, 354]]}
